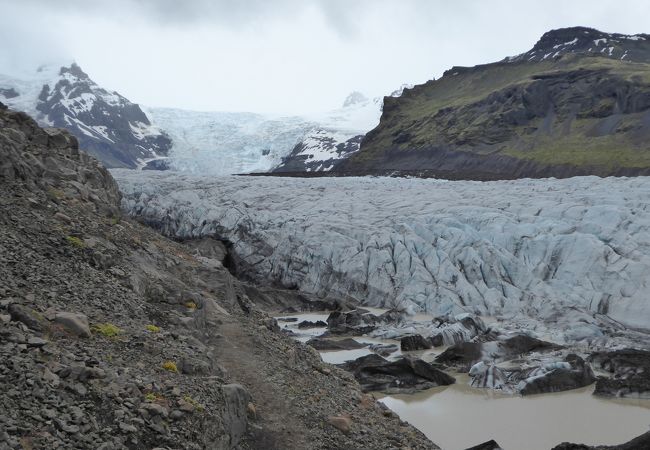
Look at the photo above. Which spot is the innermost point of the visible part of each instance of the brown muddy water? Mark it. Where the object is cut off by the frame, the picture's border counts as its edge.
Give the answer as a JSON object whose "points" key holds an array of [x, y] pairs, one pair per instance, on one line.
{"points": [[458, 416]]}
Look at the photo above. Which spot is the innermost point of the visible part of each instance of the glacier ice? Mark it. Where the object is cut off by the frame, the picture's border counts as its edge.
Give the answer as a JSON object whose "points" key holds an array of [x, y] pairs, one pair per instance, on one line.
{"points": [[224, 143], [524, 248]]}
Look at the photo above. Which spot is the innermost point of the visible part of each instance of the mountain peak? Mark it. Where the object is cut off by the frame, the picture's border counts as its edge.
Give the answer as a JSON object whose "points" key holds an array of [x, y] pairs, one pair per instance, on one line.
{"points": [[588, 41], [354, 98], [74, 70]]}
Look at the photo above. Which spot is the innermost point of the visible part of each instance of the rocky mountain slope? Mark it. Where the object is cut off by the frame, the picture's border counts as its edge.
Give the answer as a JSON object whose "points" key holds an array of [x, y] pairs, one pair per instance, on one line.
{"points": [[578, 103], [107, 125], [114, 337]]}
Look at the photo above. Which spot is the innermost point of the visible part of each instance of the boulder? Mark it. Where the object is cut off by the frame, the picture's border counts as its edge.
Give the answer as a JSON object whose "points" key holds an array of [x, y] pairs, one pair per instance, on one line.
{"points": [[341, 423], [26, 315], [235, 417], [73, 322], [405, 375]]}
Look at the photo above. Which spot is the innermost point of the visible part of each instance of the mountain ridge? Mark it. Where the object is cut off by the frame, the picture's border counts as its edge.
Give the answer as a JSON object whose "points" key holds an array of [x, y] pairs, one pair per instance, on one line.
{"points": [[574, 113], [107, 125]]}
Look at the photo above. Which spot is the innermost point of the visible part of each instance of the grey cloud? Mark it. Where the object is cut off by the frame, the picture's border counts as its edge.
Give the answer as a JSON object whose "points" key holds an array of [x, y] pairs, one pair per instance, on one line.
{"points": [[340, 14]]}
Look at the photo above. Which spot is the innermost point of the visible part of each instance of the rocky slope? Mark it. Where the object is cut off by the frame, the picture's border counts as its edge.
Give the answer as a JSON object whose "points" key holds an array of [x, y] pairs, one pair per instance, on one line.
{"points": [[112, 336], [578, 103], [107, 125]]}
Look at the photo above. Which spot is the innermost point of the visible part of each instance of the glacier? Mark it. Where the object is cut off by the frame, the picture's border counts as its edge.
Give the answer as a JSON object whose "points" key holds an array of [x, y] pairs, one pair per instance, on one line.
{"points": [[544, 249], [224, 143]]}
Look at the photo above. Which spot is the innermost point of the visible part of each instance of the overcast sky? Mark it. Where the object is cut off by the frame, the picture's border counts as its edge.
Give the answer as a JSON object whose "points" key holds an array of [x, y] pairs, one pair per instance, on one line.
{"points": [[287, 56]]}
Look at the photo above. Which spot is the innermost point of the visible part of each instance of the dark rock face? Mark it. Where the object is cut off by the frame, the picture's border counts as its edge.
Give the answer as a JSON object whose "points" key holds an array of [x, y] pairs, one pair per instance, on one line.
{"points": [[375, 373], [301, 158], [416, 342], [82, 173], [630, 371], [588, 41], [335, 344], [568, 107]]}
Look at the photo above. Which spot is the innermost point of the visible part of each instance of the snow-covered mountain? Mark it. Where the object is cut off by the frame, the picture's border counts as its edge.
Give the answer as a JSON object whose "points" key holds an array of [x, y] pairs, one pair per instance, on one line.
{"points": [[338, 135], [122, 134], [222, 143], [108, 126]]}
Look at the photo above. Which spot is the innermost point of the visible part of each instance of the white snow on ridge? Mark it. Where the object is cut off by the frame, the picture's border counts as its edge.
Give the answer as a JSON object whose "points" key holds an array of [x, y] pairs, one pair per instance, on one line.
{"points": [[525, 248], [320, 145]]}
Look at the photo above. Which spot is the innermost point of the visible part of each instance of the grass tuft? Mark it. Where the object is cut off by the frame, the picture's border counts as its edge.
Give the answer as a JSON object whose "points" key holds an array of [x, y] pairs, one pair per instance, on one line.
{"points": [[170, 366], [107, 329]]}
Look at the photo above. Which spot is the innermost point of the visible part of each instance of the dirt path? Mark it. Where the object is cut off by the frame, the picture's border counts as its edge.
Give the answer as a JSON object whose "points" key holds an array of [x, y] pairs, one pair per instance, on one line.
{"points": [[275, 425]]}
